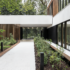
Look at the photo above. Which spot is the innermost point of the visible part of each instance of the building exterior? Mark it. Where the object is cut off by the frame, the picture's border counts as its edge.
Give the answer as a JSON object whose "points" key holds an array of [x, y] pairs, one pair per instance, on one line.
{"points": [[56, 24], [10, 28], [59, 32]]}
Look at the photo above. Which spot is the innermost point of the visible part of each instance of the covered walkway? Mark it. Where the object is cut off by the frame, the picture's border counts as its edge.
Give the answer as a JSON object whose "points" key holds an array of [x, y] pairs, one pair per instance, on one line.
{"points": [[21, 57]]}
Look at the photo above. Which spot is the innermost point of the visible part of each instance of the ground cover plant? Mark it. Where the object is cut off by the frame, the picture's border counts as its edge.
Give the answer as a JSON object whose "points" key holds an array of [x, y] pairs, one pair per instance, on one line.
{"points": [[52, 59], [7, 42]]}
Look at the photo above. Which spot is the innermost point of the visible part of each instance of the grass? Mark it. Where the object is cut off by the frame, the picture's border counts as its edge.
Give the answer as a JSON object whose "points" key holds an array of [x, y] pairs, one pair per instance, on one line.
{"points": [[5, 47]]}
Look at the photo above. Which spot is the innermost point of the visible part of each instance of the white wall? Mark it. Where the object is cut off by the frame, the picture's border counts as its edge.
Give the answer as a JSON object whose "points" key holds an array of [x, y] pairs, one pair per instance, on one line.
{"points": [[25, 19], [62, 16]]}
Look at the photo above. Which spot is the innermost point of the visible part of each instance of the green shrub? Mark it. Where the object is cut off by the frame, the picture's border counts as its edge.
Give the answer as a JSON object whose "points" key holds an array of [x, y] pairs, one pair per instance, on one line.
{"points": [[12, 40], [49, 54], [7, 41], [41, 47]]}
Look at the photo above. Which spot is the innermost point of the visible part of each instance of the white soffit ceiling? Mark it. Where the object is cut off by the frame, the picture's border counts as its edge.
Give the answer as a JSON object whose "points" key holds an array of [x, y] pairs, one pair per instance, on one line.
{"points": [[26, 20]]}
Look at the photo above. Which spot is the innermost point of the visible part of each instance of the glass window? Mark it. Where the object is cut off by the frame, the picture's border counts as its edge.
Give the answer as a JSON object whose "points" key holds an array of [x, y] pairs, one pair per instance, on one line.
{"points": [[68, 35], [69, 1], [63, 34], [61, 4], [65, 2], [59, 34], [51, 9]]}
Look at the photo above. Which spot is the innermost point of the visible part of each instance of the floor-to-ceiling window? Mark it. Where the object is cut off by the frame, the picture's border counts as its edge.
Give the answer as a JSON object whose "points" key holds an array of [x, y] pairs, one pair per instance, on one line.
{"points": [[50, 9], [62, 4], [68, 35], [64, 35], [59, 34]]}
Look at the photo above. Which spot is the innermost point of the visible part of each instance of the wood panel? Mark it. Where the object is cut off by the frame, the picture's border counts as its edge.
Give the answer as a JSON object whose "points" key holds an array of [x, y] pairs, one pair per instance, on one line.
{"points": [[1, 27], [14, 31], [10, 28], [4, 28], [55, 7], [7, 27]]}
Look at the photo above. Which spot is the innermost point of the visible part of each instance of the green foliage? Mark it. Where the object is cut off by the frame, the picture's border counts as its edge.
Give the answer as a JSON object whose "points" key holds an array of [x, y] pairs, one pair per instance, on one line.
{"points": [[45, 59], [29, 8], [42, 10], [54, 58], [5, 47], [60, 50], [30, 33], [52, 66], [1, 31], [15, 7], [49, 55], [12, 40], [9, 5], [7, 41], [40, 44]]}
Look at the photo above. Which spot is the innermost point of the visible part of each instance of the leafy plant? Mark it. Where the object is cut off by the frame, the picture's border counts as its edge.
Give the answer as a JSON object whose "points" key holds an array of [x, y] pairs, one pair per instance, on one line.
{"points": [[1, 30], [12, 40]]}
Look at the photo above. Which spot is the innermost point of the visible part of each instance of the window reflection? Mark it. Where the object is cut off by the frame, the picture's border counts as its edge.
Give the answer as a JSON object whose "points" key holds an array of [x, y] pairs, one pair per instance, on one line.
{"points": [[64, 35], [68, 35], [59, 34], [62, 4]]}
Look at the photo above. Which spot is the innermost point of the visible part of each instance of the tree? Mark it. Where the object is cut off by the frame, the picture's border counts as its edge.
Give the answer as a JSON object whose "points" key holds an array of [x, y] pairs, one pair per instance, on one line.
{"points": [[42, 10], [9, 6], [28, 8], [15, 7]]}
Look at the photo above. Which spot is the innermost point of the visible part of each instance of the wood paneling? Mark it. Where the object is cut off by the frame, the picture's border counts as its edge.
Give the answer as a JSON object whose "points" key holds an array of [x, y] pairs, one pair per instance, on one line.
{"points": [[55, 7], [10, 28]]}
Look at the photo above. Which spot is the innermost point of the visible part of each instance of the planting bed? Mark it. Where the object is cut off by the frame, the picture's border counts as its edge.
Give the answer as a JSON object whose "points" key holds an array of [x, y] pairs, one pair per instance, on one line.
{"points": [[4, 48], [48, 66], [53, 60], [7, 48]]}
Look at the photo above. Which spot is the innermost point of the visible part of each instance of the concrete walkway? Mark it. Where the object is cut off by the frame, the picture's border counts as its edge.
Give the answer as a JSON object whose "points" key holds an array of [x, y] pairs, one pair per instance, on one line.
{"points": [[21, 57]]}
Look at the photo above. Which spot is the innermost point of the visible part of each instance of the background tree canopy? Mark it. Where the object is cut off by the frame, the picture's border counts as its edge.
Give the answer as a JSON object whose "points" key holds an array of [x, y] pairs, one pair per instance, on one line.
{"points": [[9, 6], [16, 7]]}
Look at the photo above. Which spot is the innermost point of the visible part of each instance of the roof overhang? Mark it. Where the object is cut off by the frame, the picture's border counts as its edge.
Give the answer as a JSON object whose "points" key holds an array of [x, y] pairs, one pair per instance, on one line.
{"points": [[27, 20]]}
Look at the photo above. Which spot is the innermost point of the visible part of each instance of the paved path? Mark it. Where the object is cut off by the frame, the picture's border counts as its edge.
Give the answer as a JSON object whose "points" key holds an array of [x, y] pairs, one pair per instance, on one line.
{"points": [[21, 57]]}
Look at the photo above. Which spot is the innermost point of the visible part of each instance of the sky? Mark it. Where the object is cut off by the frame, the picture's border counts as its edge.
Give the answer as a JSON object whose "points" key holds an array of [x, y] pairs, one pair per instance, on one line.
{"points": [[22, 1]]}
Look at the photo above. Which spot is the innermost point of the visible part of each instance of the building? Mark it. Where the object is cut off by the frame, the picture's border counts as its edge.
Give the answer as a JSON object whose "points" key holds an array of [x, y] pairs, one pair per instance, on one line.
{"points": [[59, 32], [56, 24]]}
